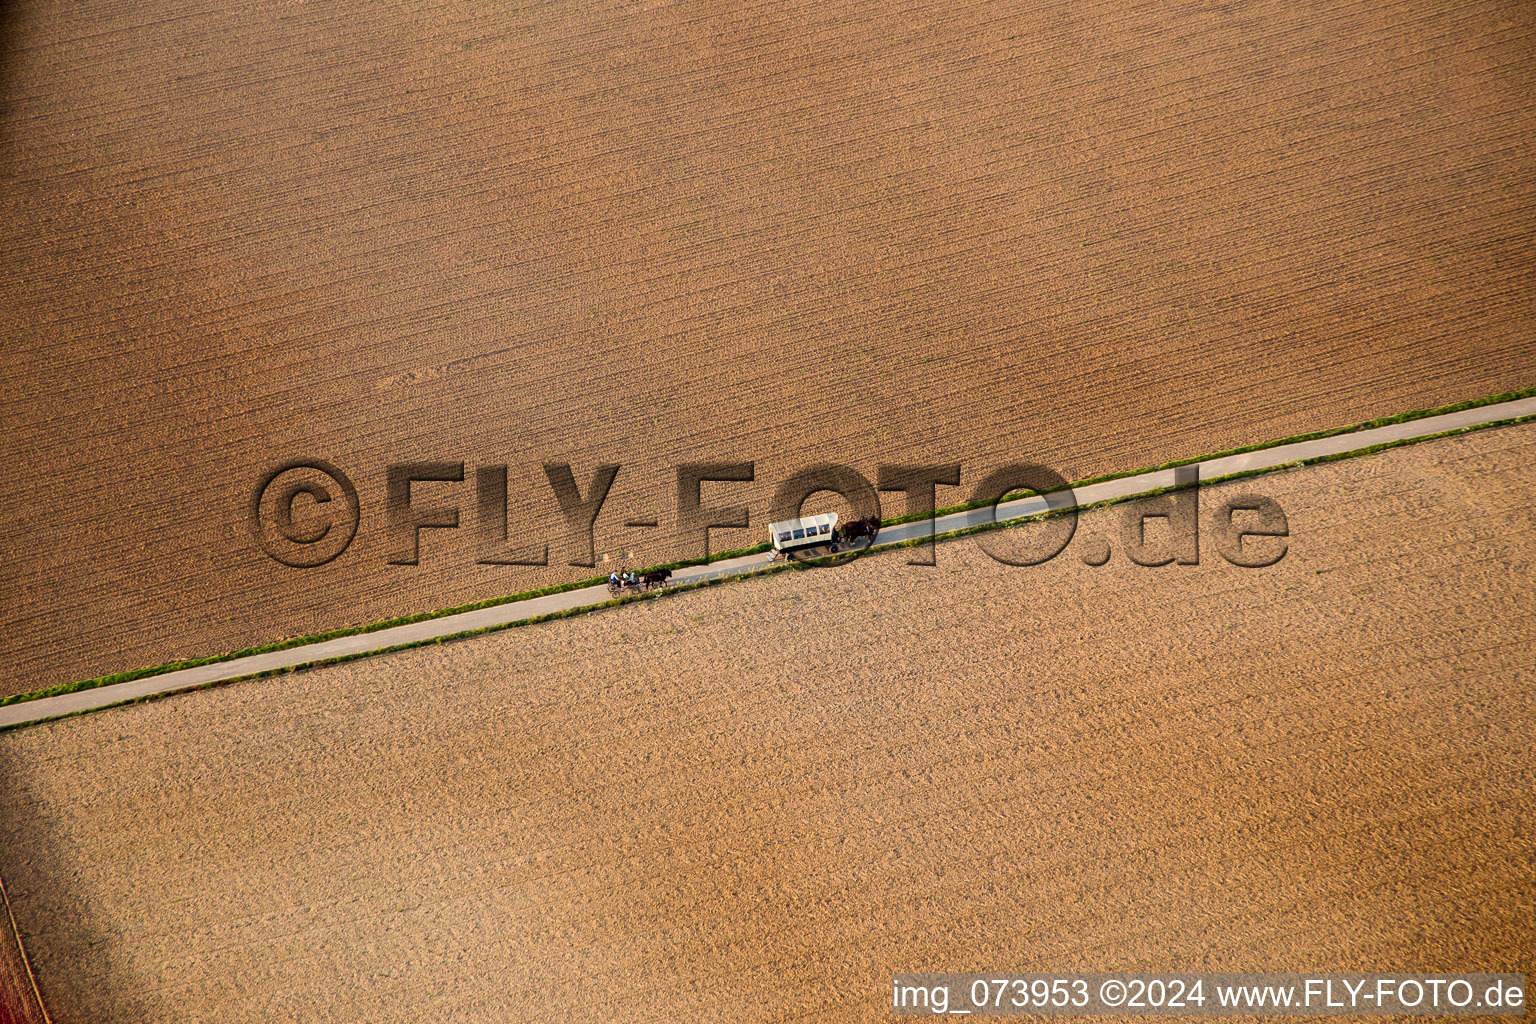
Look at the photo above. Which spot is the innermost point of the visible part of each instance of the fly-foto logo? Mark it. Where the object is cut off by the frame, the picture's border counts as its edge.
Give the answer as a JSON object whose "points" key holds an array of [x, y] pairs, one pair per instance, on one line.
{"points": [[305, 513]]}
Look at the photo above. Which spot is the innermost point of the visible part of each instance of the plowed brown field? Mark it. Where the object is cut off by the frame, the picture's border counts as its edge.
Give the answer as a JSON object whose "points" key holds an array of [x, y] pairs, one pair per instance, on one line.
{"points": [[1086, 233], [756, 802]]}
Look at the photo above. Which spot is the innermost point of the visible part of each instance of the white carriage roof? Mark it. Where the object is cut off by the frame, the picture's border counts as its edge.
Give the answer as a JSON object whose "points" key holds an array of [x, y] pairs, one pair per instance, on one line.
{"points": [[829, 518]]}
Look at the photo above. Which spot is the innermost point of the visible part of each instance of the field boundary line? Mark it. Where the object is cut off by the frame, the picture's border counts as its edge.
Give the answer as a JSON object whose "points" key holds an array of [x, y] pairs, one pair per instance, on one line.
{"points": [[589, 596], [21, 949]]}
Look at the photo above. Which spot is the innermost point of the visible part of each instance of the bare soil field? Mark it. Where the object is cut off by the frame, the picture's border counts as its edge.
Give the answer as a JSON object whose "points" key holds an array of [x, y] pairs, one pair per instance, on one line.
{"points": [[1087, 234], [757, 801]]}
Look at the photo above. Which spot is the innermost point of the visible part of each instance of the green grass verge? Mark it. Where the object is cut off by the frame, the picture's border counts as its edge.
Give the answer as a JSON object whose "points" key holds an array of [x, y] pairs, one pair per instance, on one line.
{"points": [[1384, 421], [466, 634], [314, 638], [1228, 478], [143, 673]]}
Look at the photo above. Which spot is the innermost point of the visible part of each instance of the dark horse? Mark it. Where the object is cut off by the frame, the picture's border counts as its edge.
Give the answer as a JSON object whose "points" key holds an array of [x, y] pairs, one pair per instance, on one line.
{"points": [[856, 528]]}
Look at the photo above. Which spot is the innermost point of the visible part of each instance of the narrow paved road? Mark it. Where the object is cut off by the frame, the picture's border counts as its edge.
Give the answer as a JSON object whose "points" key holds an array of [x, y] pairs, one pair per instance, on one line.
{"points": [[501, 615]]}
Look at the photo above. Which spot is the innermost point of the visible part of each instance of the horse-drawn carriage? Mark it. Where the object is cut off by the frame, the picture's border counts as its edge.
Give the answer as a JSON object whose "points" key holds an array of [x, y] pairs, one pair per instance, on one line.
{"points": [[634, 583], [810, 532]]}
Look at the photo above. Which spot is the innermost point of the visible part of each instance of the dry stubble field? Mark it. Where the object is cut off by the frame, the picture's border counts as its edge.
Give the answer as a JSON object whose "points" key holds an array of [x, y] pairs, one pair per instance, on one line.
{"points": [[1085, 233], [755, 802]]}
